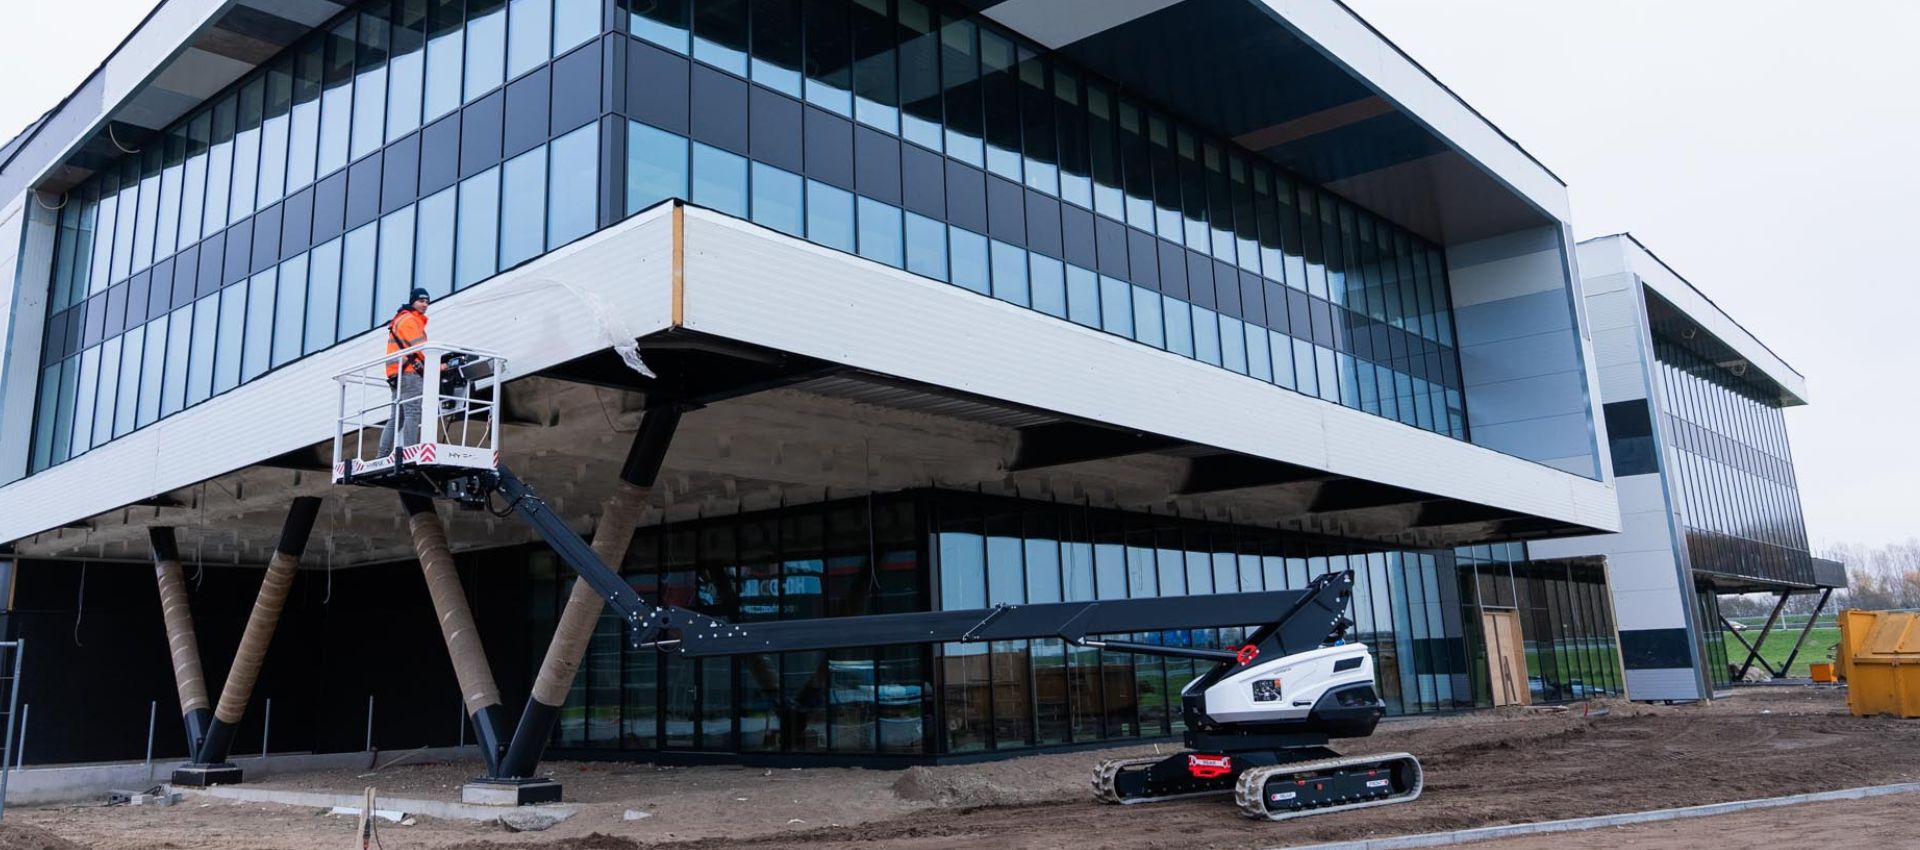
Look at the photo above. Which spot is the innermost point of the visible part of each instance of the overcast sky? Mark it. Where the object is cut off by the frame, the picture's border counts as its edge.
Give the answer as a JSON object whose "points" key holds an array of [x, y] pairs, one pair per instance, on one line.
{"points": [[1765, 149]]}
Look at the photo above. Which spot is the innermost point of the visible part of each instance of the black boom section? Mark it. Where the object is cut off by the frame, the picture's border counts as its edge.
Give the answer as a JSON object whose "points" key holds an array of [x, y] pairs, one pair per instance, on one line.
{"points": [[1070, 621]]}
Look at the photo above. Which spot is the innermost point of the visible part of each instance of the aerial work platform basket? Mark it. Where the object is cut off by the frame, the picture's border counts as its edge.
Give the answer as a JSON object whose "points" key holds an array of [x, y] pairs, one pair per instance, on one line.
{"points": [[455, 436]]}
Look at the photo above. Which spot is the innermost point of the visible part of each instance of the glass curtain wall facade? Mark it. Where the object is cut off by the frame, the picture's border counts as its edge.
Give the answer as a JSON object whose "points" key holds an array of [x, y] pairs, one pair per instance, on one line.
{"points": [[919, 137], [427, 143], [1734, 472], [1417, 611], [434, 143]]}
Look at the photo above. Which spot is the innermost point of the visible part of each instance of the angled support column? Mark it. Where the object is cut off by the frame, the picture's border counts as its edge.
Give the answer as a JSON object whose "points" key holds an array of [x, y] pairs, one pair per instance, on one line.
{"points": [[470, 668], [1754, 654], [1825, 594], [196, 712], [210, 765], [619, 516]]}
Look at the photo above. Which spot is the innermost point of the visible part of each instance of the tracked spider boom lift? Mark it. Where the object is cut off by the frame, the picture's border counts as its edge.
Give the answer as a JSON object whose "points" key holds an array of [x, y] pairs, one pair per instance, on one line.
{"points": [[1258, 721]]}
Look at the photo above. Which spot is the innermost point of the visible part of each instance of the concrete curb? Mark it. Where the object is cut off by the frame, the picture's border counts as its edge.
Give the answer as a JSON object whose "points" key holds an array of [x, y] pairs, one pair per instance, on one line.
{"points": [[1485, 833]]}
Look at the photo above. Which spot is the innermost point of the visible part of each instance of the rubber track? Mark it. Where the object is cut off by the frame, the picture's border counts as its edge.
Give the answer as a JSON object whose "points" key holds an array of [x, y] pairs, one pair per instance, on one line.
{"points": [[1249, 792], [1106, 772]]}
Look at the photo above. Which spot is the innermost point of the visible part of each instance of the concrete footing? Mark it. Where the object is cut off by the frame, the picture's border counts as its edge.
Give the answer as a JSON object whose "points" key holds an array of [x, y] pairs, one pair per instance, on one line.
{"points": [[445, 809], [510, 792], [206, 775]]}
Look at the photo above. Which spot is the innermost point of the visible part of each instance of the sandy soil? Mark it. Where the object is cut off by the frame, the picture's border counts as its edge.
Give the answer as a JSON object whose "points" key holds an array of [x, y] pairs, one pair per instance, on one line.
{"points": [[1882, 823], [1485, 768]]}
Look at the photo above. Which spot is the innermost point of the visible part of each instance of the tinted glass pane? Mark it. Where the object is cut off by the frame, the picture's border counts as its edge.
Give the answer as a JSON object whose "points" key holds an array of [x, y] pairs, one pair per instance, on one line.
{"points": [[357, 280], [829, 50], [1010, 273], [663, 22], [969, 263], [479, 229], [232, 339], [830, 216], [529, 34], [720, 34], [323, 296], [289, 310], [395, 269], [486, 46], [446, 50], [777, 200], [523, 203], [433, 252], [926, 247], [1049, 285], [575, 190], [257, 355], [880, 232], [776, 44], [574, 21], [656, 166], [719, 180]]}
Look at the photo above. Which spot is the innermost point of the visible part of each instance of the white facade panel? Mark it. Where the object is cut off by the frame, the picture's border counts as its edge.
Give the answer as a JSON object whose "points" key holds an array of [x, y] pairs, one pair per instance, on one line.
{"points": [[1647, 609], [843, 309], [612, 286], [1676, 683]]}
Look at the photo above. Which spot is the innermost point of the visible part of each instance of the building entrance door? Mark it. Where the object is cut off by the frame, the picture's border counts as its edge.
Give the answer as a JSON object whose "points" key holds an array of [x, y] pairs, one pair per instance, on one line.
{"points": [[1506, 658]]}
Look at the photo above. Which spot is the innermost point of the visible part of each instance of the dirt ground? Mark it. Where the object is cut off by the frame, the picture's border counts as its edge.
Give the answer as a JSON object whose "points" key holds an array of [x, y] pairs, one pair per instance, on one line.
{"points": [[1485, 768], [1881, 823]]}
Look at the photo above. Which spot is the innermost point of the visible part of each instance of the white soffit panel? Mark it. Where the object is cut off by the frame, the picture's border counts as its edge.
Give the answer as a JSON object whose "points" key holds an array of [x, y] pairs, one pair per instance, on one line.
{"points": [[750, 284]]}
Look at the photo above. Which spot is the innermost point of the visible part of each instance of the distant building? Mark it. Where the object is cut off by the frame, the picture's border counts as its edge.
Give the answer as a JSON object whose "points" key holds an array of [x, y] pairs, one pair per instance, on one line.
{"points": [[1708, 496]]}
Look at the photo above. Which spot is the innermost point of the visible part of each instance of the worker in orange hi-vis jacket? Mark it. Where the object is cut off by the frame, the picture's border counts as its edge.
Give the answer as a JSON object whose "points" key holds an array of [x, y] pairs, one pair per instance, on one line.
{"points": [[407, 329]]}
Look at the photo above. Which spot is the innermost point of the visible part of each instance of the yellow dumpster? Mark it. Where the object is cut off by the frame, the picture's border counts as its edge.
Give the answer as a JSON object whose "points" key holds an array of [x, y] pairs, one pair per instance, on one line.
{"points": [[1854, 625], [1882, 663]]}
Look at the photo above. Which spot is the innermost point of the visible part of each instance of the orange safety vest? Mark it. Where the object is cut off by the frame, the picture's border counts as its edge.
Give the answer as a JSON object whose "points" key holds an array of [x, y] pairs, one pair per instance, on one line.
{"points": [[407, 329]]}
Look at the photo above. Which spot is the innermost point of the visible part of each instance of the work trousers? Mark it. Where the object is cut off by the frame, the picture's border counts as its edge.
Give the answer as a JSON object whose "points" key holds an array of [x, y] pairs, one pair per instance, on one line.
{"points": [[406, 397]]}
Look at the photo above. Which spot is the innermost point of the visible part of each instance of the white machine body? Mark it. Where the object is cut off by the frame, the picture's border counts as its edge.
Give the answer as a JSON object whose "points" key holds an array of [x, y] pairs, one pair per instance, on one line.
{"points": [[1287, 687]]}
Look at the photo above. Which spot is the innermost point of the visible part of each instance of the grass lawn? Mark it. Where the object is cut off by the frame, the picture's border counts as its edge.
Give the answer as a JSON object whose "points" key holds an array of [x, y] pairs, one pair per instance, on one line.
{"points": [[1819, 647]]}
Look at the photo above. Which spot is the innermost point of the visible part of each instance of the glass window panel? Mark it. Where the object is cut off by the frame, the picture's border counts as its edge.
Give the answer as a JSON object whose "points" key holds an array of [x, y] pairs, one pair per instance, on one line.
{"points": [[100, 269], [876, 97], [357, 280], [1329, 377], [232, 338], [303, 136], [273, 138], [1116, 307], [486, 46], [663, 22], [246, 151], [920, 115], [131, 345], [720, 34], [574, 193], [1010, 273], [1179, 324], [394, 273], [446, 49], [370, 87], [776, 44], [829, 50], [656, 166], [206, 313], [523, 203], [830, 216], [1233, 344], [289, 310], [529, 35], [153, 368], [433, 252], [336, 101], [45, 421], [719, 180], [574, 21], [1148, 325], [1049, 284], [1259, 358], [146, 221], [1206, 335], [880, 232], [257, 354], [1070, 118], [219, 172], [86, 404], [1083, 296], [1037, 124], [106, 390], [1000, 93], [969, 263], [960, 83], [323, 296], [1305, 375], [926, 247], [193, 189], [777, 200], [406, 70]]}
